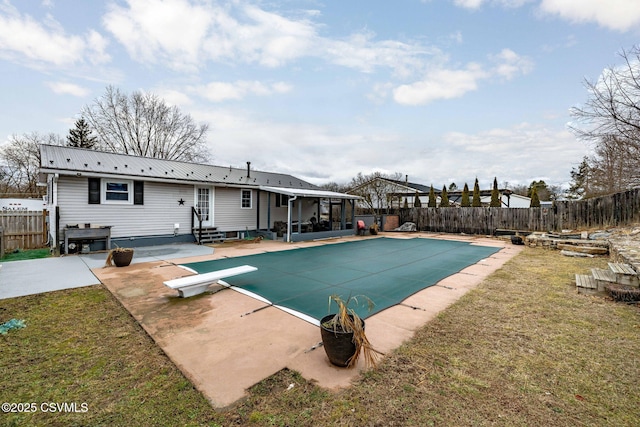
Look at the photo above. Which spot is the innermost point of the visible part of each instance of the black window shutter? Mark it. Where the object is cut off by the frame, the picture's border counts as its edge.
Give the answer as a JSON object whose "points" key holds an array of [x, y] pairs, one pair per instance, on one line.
{"points": [[94, 191], [138, 192]]}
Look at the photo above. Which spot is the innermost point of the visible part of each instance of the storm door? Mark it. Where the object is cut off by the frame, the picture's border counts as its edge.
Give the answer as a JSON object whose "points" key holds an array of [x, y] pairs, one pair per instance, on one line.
{"points": [[204, 205]]}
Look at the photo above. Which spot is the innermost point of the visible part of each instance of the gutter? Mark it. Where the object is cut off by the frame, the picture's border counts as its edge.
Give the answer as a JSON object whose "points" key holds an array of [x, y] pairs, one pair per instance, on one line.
{"points": [[289, 225]]}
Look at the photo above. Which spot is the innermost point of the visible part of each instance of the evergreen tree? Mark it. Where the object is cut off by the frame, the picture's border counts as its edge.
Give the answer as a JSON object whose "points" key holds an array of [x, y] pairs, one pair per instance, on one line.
{"points": [[464, 202], [406, 203], [535, 200], [544, 191], [80, 136], [416, 201], [444, 198], [579, 187], [495, 195], [475, 202], [432, 198]]}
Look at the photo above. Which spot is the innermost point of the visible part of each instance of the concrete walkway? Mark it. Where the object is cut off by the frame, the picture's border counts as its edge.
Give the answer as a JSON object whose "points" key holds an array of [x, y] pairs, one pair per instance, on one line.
{"points": [[19, 278]]}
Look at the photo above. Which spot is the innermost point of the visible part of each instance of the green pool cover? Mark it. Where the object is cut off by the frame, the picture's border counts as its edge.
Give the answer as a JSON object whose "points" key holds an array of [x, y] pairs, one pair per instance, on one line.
{"points": [[386, 270]]}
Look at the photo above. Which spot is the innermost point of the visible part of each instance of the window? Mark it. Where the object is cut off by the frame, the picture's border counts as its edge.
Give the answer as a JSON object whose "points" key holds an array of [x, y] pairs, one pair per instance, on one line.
{"points": [[245, 199], [94, 191], [112, 191], [117, 192], [281, 200], [138, 192]]}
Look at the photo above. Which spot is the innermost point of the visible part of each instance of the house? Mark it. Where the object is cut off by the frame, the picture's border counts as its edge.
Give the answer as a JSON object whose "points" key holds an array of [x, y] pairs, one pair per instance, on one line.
{"points": [[142, 201], [382, 193], [508, 199]]}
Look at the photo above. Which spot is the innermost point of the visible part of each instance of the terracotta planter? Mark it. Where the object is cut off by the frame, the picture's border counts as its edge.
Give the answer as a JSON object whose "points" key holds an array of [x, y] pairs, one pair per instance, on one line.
{"points": [[338, 345], [122, 258]]}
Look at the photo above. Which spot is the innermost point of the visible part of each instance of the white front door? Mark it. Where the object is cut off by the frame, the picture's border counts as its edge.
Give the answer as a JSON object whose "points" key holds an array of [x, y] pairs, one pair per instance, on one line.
{"points": [[204, 205]]}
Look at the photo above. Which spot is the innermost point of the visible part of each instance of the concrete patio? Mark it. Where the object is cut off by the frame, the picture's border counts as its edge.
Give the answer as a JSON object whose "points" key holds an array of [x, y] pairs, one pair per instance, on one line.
{"points": [[225, 342]]}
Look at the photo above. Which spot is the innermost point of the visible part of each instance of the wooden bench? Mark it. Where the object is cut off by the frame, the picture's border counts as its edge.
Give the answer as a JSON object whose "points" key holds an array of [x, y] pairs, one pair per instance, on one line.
{"points": [[194, 285]]}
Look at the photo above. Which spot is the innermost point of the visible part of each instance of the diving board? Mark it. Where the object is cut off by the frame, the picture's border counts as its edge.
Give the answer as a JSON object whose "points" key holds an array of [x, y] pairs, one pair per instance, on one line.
{"points": [[194, 285]]}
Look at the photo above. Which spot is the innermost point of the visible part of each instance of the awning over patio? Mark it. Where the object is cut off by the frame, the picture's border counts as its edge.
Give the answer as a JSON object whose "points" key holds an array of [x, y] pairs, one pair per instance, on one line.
{"points": [[302, 192]]}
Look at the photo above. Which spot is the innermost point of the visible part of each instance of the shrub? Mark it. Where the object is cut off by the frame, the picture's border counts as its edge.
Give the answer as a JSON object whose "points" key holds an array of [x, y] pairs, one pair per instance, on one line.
{"points": [[464, 202], [495, 195], [432, 198], [476, 195], [416, 201], [444, 198]]}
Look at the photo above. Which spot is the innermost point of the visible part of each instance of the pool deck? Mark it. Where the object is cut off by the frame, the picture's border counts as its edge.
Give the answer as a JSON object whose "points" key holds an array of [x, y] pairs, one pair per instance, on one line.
{"points": [[224, 347]]}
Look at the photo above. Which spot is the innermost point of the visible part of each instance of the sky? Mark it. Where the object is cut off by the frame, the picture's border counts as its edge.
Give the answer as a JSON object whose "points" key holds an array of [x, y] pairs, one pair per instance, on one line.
{"points": [[441, 91]]}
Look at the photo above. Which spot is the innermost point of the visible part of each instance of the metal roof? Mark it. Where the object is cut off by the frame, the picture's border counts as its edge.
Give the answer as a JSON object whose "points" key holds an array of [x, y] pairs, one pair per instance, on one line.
{"points": [[71, 161]]}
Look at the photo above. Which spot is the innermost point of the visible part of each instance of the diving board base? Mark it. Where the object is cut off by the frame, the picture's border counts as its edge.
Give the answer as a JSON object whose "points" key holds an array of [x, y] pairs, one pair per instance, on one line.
{"points": [[194, 285]]}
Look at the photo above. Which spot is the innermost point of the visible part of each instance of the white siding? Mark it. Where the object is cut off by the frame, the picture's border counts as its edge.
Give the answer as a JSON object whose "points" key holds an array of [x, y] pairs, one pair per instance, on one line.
{"points": [[309, 209], [229, 216], [157, 216]]}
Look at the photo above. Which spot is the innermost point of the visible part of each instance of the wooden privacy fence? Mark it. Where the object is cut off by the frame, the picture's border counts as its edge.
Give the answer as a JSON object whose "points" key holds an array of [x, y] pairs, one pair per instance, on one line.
{"points": [[23, 230], [601, 212], [479, 220]]}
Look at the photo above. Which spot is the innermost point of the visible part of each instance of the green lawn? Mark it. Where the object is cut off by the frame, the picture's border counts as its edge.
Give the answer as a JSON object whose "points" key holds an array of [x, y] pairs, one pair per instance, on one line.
{"points": [[21, 255]]}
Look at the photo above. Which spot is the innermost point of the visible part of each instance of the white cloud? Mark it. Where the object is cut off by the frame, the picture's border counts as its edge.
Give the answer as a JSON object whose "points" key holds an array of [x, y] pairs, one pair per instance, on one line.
{"points": [[237, 137], [68, 89], [173, 97], [619, 15], [476, 4], [445, 83], [517, 154], [277, 39], [223, 91], [509, 64], [514, 154], [361, 52], [469, 4], [26, 40], [440, 84], [169, 31], [185, 36]]}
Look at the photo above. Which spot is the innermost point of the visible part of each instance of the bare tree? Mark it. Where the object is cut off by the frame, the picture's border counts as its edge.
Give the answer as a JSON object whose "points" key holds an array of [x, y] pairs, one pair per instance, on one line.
{"points": [[613, 107], [334, 186], [20, 163], [377, 190], [614, 166], [610, 122], [144, 125]]}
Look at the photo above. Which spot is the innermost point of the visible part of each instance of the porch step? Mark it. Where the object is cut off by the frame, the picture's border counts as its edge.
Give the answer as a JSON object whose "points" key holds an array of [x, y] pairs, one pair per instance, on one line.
{"points": [[585, 281], [209, 235], [625, 274], [603, 277]]}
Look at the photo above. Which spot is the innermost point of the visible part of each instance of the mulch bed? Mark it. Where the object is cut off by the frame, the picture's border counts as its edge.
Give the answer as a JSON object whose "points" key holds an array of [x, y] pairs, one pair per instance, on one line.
{"points": [[622, 293]]}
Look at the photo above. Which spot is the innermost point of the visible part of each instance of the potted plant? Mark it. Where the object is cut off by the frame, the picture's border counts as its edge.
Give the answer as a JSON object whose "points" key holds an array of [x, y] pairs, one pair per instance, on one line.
{"points": [[121, 257], [343, 335]]}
